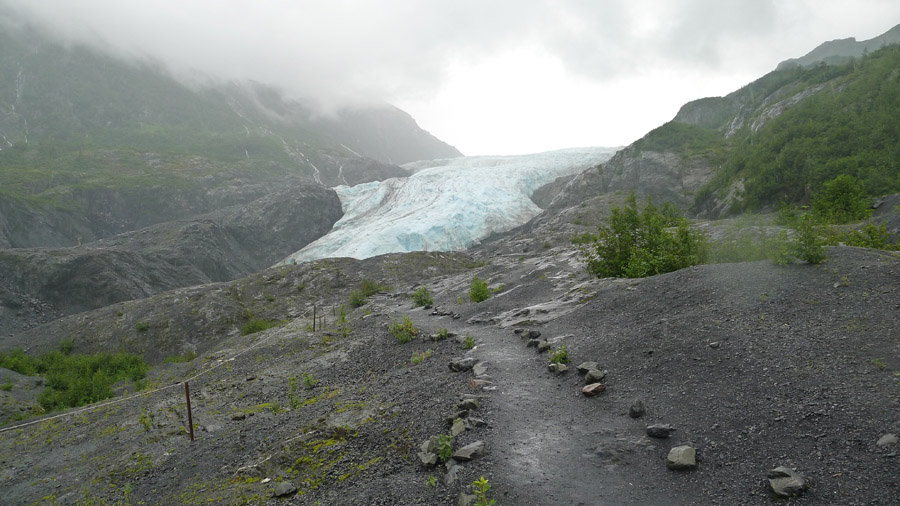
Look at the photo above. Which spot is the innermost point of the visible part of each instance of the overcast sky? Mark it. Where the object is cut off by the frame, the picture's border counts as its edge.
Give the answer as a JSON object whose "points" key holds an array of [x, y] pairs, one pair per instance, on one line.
{"points": [[488, 76]]}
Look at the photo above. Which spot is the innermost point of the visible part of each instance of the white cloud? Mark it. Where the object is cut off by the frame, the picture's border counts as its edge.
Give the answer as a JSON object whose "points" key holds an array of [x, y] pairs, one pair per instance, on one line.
{"points": [[497, 76]]}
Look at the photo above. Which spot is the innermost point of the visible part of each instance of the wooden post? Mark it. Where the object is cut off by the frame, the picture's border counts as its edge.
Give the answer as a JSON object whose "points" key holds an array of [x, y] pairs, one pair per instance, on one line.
{"points": [[187, 395], [314, 318]]}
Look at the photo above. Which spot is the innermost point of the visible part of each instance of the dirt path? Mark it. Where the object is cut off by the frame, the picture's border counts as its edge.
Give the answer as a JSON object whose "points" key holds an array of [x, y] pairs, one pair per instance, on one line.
{"points": [[548, 443]]}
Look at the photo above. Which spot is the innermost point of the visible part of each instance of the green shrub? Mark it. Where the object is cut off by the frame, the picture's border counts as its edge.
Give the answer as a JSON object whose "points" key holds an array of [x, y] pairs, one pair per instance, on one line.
{"points": [[357, 299], [478, 290], [482, 487], [7, 385], [469, 342], [442, 334], [75, 379], [142, 326], [808, 244], [421, 297], [405, 331], [841, 200], [309, 381], [258, 325], [560, 355], [638, 244], [369, 287], [445, 447], [418, 358]]}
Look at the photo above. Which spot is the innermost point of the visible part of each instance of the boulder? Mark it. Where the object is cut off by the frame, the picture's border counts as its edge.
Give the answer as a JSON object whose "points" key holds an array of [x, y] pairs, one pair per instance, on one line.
{"points": [[462, 364], [479, 369], [470, 451], [284, 489], [584, 367], [887, 440], [458, 427], [637, 409], [660, 430], [594, 376], [543, 346], [468, 404], [557, 368], [593, 389], [682, 458], [785, 482]]}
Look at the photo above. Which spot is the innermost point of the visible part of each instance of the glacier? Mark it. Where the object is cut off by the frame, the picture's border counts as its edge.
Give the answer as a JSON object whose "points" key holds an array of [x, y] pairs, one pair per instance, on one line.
{"points": [[444, 205]]}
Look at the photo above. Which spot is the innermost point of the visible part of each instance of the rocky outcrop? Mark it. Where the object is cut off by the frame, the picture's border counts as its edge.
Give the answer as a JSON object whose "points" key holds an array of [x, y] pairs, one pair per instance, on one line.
{"points": [[219, 246]]}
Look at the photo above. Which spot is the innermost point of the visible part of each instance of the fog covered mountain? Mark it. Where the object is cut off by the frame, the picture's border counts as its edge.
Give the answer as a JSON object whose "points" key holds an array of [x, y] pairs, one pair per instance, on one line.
{"points": [[444, 205]]}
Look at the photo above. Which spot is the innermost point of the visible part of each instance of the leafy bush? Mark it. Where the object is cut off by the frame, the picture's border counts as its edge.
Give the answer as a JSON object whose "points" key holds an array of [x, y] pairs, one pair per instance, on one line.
{"points": [[469, 342], [560, 355], [841, 200], [258, 325], [357, 299], [418, 358], [75, 380], [808, 245], [405, 331], [421, 297], [638, 244], [445, 447], [479, 291], [142, 326], [482, 487], [869, 236], [369, 287], [442, 334]]}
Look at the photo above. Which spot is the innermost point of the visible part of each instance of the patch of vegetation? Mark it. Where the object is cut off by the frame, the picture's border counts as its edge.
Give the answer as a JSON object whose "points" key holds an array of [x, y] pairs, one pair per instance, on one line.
{"points": [[442, 334], [469, 341], [258, 325], [482, 487], [418, 358], [421, 297], [808, 244], [342, 325], [445, 447], [357, 299], [431, 480], [869, 235], [75, 379], [179, 359], [560, 355], [404, 330], [142, 326], [310, 381], [841, 200], [478, 290], [7, 385], [639, 243], [681, 138]]}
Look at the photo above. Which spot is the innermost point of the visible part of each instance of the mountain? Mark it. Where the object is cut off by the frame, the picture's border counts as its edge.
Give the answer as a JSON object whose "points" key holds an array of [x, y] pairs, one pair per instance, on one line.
{"points": [[835, 52], [91, 145]]}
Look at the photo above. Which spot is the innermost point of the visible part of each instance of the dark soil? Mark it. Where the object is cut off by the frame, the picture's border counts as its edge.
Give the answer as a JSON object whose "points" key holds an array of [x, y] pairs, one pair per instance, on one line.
{"points": [[755, 365]]}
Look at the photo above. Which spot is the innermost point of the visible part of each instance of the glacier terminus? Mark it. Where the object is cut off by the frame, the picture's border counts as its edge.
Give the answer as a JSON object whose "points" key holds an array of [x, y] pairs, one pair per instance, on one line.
{"points": [[444, 205]]}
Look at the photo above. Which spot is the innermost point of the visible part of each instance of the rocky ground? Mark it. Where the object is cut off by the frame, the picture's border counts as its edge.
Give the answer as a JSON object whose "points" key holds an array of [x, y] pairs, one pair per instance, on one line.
{"points": [[753, 365]]}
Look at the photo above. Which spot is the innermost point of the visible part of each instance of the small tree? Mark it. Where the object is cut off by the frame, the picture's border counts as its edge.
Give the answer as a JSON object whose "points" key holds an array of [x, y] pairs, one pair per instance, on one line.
{"points": [[421, 297], [808, 244], [478, 290], [841, 200]]}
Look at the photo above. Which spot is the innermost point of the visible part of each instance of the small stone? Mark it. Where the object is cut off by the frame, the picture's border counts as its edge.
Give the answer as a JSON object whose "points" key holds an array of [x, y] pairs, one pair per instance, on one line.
{"points": [[682, 458], [587, 366], [458, 427], [284, 489], [239, 416], [479, 369], [543, 346], [594, 376], [660, 430], [785, 482], [427, 458], [471, 423], [637, 409], [557, 368], [887, 440], [470, 451], [593, 389], [465, 499], [462, 364], [531, 334], [533, 343], [518, 331], [714, 344]]}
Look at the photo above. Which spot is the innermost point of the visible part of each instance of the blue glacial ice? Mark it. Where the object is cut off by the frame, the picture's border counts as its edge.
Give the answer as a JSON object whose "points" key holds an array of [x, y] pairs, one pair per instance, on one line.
{"points": [[444, 205]]}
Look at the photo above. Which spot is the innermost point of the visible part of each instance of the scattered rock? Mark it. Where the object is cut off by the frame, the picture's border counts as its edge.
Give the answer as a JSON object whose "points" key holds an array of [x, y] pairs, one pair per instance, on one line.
{"points": [[557, 368], [785, 482], [587, 366], [887, 440], [465, 499], [479, 369], [637, 409], [543, 346], [239, 416], [468, 404], [682, 458], [533, 343], [470, 451], [452, 472], [429, 459], [660, 430], [462, 364], [471, 423], [458, 427], [594, 376], [479, 383], [714, 344], [531, 334], [593, 389], [284, 489]]}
